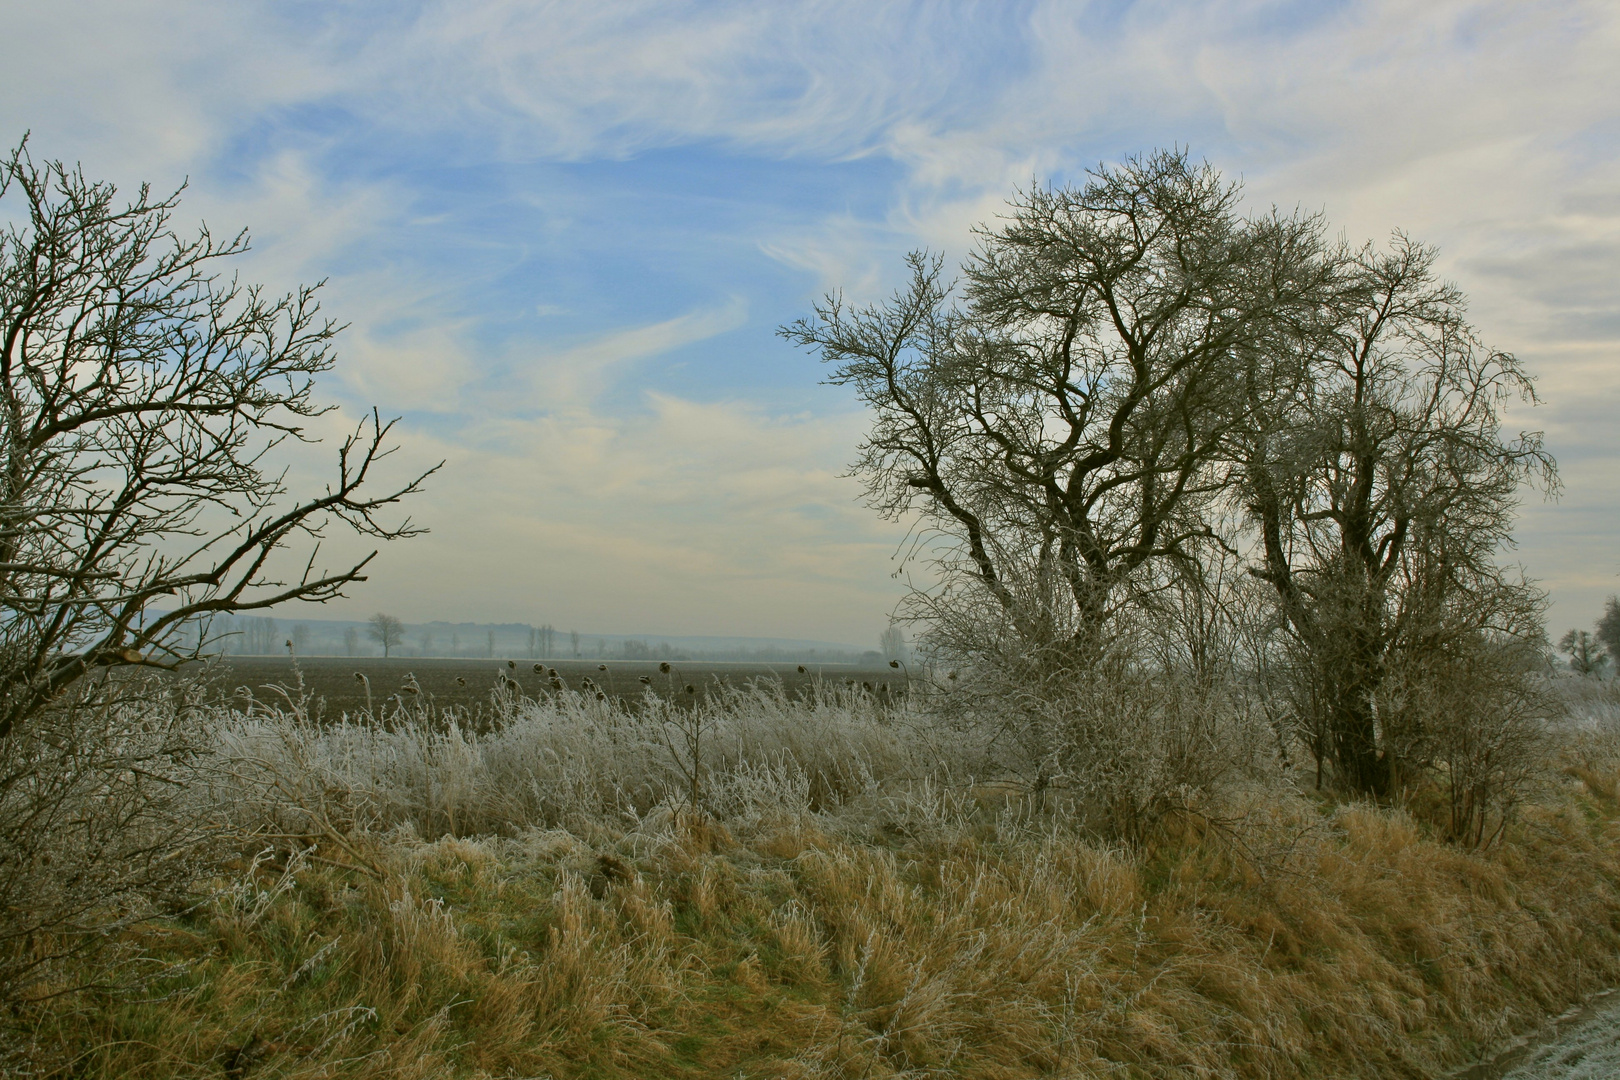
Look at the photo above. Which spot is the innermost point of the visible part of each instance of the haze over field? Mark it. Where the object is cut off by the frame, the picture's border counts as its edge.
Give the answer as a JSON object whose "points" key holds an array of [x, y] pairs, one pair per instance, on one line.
{"points": [[566, 234]]}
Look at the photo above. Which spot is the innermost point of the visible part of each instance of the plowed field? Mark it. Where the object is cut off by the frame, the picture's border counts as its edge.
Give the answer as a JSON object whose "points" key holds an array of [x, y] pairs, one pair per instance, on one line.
{"points": [[470, 684]]}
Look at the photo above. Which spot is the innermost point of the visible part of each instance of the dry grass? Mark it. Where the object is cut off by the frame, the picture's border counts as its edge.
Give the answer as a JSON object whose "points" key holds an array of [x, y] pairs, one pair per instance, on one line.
{"points": [[813, 922]]}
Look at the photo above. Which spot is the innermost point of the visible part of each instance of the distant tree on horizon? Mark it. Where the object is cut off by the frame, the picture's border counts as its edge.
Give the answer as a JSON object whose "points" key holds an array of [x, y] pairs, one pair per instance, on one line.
{"points": [[1586, 656], [892, 643], [351, 641], [387, 631]]}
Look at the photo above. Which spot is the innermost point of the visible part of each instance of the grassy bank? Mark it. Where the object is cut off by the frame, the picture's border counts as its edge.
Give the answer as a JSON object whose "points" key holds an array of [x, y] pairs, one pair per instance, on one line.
{"points": [[830, 912]]}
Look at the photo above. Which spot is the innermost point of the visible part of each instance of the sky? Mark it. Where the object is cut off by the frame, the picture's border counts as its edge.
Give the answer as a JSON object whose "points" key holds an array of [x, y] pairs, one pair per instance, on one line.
{"points": [[564, 234]]}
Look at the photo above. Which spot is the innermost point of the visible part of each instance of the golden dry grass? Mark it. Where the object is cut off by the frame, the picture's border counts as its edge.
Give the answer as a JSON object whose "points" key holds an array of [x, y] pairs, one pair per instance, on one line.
{"points": [[1336, 942]]}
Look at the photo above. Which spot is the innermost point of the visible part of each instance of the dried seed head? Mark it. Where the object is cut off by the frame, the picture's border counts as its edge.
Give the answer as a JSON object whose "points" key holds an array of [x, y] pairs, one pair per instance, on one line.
{"points": [[538, 668], [645, 680], [460, 681], [951, 676], [601, 696], [801, 669], [512, 664], [601, 667], [894, 663], [664, 667], [690, 689], [359, 677]]}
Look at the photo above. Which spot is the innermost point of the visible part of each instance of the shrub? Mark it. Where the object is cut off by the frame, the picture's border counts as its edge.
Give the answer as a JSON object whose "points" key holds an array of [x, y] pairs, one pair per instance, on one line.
{"points": [[99, 825], [1476, 715]]}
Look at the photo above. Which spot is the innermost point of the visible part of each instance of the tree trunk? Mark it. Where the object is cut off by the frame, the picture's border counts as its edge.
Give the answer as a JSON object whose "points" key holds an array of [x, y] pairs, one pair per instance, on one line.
{"points": [[1351, 680]]}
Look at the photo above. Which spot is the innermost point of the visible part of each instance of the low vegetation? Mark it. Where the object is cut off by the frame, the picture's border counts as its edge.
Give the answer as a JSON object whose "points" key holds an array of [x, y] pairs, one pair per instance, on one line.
{"points": [[834, 896]]}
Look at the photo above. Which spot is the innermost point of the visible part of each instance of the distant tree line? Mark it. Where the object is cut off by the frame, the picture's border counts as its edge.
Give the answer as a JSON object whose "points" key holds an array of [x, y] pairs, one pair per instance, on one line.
{"points": [[388, 635]]}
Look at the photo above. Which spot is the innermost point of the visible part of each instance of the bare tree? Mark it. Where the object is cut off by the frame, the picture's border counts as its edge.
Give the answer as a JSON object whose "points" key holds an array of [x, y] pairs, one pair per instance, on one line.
{"points": [[1608, 627], [1059, 431], [1586, 653], [141, 397], [892, 642], [1382, 488], [386, 631], [351, 641]]}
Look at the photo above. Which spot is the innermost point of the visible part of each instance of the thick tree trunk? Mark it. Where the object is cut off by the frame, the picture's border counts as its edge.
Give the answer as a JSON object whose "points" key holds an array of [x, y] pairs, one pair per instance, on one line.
{"points": [[1355, 748], [1350, 679]]}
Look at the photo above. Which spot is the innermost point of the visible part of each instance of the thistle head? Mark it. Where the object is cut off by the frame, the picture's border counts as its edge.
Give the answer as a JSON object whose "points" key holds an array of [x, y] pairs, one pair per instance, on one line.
{"points": [[663, 667]]}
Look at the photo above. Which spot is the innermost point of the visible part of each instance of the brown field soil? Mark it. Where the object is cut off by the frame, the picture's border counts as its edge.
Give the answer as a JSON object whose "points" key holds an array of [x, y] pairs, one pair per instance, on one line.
{"points": [[468, 683]]}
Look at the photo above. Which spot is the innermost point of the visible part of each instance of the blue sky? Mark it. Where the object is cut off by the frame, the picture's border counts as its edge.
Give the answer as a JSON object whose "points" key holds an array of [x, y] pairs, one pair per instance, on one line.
{"points": [[565, 233]]}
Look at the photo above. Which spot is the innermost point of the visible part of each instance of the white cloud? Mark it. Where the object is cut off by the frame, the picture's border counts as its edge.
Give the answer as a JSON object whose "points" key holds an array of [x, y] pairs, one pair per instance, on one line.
{"points": [[590, 80], [149, 90], [572, 378]]}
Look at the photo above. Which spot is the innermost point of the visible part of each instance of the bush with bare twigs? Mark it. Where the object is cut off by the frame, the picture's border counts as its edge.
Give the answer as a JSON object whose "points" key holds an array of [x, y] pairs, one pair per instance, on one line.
{"points": [[99, 825]]}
